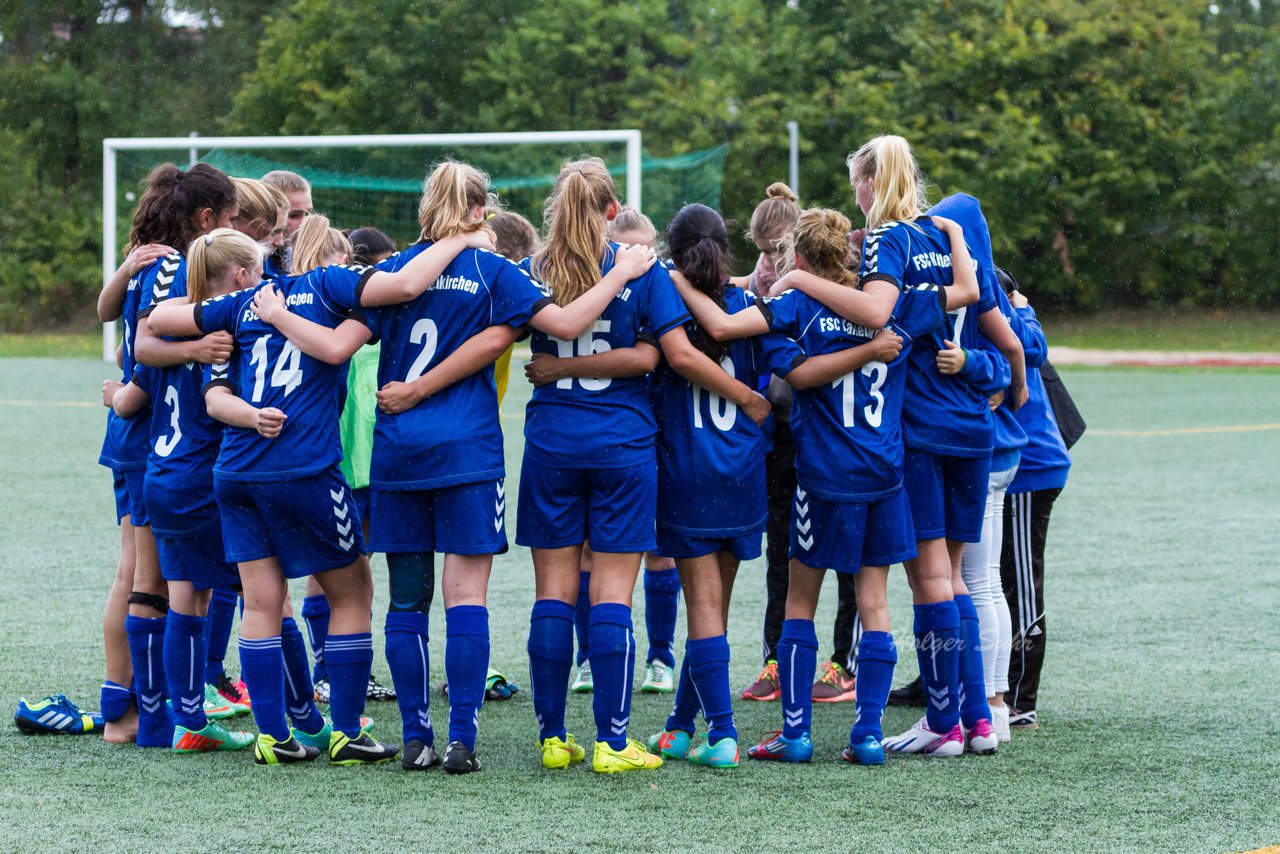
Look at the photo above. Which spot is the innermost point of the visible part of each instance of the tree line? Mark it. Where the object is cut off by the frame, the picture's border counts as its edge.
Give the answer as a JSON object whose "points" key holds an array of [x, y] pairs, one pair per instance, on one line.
{"points": [[1126, 152]]}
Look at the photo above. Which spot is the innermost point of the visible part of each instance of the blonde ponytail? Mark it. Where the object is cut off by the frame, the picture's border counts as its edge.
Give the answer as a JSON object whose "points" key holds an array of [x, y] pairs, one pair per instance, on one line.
{"points": [[448, 196], [210, 256], [899, 186], [315, 243], [569, 262]]}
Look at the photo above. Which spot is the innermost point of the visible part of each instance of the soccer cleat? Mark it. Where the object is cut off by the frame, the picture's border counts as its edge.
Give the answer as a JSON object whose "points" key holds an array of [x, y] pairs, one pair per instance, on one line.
{"points": [[835, 685], [583, 683], [268, 751], [231, 694], [920, 739], [320, 740], [216, 708], [213, 737], [55, 714], [867, 752], [561, 752], [1023, 720], [911, 694], [658, 679], [671, 744], [322, 691], [776, 747], [633, 757], [419, 756], [767, 685], [244, 691], [362, 750], [377, 692], [722, 754], [459, 760], [981, 739], [1000, 722], [496, 687]]}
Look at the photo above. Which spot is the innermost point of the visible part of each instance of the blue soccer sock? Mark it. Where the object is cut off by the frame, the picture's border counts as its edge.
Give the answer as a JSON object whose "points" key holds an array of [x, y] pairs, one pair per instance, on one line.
{"points": [[349, 659], [407, 656], [709, 666], [550, 659], [797, 664], [684, 711], [222, 613], [315, 611], [466, 667], [937, 630], [661, 604], [262, 665], [582, 617], [146, 651], [299, 693], [973, 680], [613, 661], [114, 700], [184, 661], [877, 656]]}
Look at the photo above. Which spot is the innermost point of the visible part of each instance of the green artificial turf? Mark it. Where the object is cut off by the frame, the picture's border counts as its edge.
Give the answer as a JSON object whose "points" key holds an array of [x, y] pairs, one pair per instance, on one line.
{"points": [[1160, 727]]}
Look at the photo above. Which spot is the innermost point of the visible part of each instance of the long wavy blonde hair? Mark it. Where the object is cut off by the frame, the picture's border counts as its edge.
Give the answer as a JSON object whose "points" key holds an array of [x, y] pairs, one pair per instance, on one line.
{"points": [[900, 188], [575, 213]]}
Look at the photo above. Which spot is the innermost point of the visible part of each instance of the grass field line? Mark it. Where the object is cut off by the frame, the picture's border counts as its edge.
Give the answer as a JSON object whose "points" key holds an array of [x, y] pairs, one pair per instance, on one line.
{"points": [[1188, 431], [52, 403]]}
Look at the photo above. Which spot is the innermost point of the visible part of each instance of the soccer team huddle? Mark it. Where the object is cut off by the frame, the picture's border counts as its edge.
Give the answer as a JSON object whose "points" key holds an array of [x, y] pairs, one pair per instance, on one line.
{"points": [[245, 453]]}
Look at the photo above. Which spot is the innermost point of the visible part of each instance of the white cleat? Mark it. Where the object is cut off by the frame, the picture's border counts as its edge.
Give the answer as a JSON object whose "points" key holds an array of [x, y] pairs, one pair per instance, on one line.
{"points": [[982, 739], [1000, 722], [658, 679], [920, 739], [583, 683]]}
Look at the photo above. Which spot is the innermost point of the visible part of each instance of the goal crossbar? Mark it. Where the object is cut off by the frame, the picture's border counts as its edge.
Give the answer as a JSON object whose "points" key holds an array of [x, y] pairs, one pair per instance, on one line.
{"points": [[111, 146]]}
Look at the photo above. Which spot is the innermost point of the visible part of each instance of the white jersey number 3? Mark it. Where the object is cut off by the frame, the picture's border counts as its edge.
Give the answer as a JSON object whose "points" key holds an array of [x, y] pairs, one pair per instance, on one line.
{"points": [[873, 411]]}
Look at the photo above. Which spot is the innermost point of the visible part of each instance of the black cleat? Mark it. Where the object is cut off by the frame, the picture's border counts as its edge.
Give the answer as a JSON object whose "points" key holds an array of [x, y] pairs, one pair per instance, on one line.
{"points": [[359, 751], [268, 751], [459, 760], [419, 756], [911, 694]]}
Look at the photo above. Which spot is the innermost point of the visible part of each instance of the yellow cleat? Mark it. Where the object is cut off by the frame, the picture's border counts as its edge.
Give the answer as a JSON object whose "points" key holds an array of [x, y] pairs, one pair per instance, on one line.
{"points": [[633, 757], [561, 752]]}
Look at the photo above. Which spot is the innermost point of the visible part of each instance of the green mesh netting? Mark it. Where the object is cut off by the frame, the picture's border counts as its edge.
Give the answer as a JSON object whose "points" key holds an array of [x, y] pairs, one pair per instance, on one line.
{"points": [[380, 186]]}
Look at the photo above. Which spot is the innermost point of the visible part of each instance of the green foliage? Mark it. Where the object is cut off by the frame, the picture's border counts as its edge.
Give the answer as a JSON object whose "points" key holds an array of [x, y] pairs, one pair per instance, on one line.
{"points": [[1125, 151]]}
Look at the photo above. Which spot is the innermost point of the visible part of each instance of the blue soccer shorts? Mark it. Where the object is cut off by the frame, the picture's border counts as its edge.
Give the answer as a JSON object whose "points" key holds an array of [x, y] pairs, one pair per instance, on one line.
{"points": [[683, 544], [128, 488], [613, 508], [310, 524], [198, 557], [948, 495], [848, 535], [468, 519]]}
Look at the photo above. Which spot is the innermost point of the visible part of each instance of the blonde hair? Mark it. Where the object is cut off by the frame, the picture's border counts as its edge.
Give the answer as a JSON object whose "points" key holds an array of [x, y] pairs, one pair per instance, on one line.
{"points": [[209, 257], [286, 181], [569, 262], [821, 235], [515, 238], [259, 201], [630, 219], [773, 217], [314, 243], [448, 195], [900, 188]]}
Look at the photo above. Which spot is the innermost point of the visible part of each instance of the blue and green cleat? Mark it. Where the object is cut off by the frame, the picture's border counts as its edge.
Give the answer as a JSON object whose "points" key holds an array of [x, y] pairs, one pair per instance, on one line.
{"points": [[670, 744], [55, 715], [320, 740], [866, 752], [722, 754]]}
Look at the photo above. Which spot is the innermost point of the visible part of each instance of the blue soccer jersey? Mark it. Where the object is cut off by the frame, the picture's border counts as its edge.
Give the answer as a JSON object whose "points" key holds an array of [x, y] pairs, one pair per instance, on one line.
{"points": [[453, 437], [589, 423], [848, 432], [268, 370], [711, 477], [943, 415], [125, 446]]}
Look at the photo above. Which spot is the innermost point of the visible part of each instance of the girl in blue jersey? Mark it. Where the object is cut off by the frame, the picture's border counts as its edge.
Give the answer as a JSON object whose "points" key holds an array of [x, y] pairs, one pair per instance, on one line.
{"points": [[849, 513], [285, 509], [590, 469], [437, 472], [175, 207], [947, 429], [184, 444]]}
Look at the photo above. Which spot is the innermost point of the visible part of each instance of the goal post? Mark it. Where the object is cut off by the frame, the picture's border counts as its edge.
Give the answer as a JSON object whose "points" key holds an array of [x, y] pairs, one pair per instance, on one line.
{"points": [[190, 145]]}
